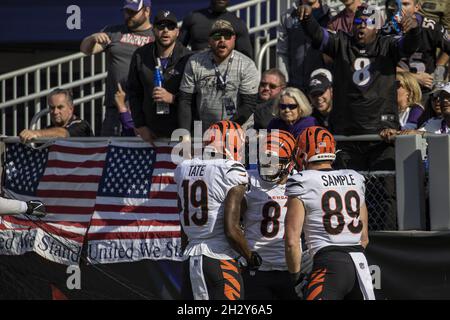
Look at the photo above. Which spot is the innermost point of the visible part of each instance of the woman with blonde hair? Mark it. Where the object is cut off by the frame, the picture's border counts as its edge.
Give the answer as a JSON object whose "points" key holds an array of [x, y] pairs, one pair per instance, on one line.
{"points": [[292, 112], [409, 98]]}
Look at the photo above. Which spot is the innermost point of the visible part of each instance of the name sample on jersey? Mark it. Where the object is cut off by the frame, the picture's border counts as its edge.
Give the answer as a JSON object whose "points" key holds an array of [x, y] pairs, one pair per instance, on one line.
{"points": [[197, 171], [338, 180]]}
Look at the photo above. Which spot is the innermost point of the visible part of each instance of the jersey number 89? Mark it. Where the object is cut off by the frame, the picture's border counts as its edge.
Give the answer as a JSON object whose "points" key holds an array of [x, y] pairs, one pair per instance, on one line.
{"points": [[337, 211], [190, 195]]}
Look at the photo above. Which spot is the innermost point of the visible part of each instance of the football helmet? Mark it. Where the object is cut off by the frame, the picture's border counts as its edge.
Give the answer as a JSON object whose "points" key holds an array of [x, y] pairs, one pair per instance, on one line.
{"points": [[227, 138], [314, 144], [279, 144]]}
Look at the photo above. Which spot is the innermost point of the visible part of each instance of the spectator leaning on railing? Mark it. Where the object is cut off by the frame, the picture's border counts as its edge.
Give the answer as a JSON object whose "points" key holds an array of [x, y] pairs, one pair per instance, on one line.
{"points": [[144, 96], [224, 80], [119, 42], [437, 125], [64, 122]]}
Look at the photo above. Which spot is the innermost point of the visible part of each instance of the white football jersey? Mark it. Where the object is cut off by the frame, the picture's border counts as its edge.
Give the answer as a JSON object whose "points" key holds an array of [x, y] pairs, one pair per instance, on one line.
{"points": [[264, 221], [332, 201], [202, 188]]}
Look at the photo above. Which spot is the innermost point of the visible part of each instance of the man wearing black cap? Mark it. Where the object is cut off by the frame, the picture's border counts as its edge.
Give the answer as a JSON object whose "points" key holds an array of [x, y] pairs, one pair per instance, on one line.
{"points": [[119, 42], [142, 93], [321, 96], [224, 80], [196, 25]]}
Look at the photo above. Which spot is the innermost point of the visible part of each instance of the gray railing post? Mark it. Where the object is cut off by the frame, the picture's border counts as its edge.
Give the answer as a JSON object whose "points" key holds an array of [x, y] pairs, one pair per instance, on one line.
{"points": [[439, 178], [410, 182]]}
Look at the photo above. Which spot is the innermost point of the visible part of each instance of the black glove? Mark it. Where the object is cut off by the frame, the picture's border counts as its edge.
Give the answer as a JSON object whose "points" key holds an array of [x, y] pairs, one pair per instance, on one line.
{"points": [[255, 261], [36, 208], [300, 282]]}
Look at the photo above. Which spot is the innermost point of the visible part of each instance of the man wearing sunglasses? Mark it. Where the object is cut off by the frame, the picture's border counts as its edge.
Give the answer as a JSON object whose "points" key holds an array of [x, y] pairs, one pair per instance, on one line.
{"points": [[364, 90], [142, 93], [119, 42], [224, 81]]}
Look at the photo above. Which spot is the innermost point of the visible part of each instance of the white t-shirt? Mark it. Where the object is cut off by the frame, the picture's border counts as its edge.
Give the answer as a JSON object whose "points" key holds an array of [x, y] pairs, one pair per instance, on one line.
{"points": [[202, 188], [332, 201], [264, 221]]}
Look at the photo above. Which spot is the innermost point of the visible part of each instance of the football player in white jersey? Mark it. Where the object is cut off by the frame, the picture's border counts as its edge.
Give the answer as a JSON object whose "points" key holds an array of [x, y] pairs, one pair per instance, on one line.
{"points": [[329, 206], [210, 193], [265, 210]]}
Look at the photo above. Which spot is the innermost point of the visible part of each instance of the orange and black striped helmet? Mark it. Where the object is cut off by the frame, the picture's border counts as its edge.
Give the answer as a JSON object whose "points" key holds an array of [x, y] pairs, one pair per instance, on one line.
{"points": [[314, 144], [226, 137], [279, 147]]}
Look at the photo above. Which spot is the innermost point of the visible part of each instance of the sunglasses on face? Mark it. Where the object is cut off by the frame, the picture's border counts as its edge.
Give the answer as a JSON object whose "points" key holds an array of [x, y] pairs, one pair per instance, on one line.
{"points": [[217, 36], [366, 21], [284, 106], [271, 85], [169, 26]]}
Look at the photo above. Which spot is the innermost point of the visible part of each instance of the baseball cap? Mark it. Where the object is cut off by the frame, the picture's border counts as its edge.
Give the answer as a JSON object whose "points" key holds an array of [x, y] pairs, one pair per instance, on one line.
{"points": [[165, 15], [136, 5], [318, 83], [221, 25], [441, 87], [323, 71]]}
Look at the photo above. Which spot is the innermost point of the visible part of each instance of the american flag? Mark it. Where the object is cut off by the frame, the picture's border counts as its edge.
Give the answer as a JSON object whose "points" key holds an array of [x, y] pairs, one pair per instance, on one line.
{"points": [[136, 214], [122, 196]]}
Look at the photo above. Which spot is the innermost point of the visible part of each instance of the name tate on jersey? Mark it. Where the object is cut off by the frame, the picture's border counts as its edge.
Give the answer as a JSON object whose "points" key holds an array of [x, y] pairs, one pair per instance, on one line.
{"points": [[340, 180], [197, 170]]}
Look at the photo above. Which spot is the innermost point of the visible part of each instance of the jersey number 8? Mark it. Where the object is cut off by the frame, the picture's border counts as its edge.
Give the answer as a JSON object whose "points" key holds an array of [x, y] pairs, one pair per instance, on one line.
{"points": [[273, 219], [337, 212], [201, 203]]}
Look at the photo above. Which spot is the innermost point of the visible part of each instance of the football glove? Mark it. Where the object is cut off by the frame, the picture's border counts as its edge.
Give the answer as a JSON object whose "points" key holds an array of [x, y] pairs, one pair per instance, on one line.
{"points": [[255, 261], [300, 282], [36, 208]]}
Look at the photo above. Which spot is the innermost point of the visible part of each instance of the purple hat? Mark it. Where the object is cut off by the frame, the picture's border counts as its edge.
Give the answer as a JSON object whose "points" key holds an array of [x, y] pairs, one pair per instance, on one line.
{"points": [[136, 5]]}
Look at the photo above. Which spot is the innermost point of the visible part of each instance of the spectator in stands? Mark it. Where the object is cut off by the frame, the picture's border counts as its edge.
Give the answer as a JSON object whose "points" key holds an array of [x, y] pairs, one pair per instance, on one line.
{"points": [[436, 125], [119, 42], [292, 111], [364, 97], [150, 122], [124, 112], [272, 83], [196, 26], [409, 98], [438, 10], [295, 56], [321, 95], [224, 80], [343, 21], [425, 63], [64, 122], [441, 124]]}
